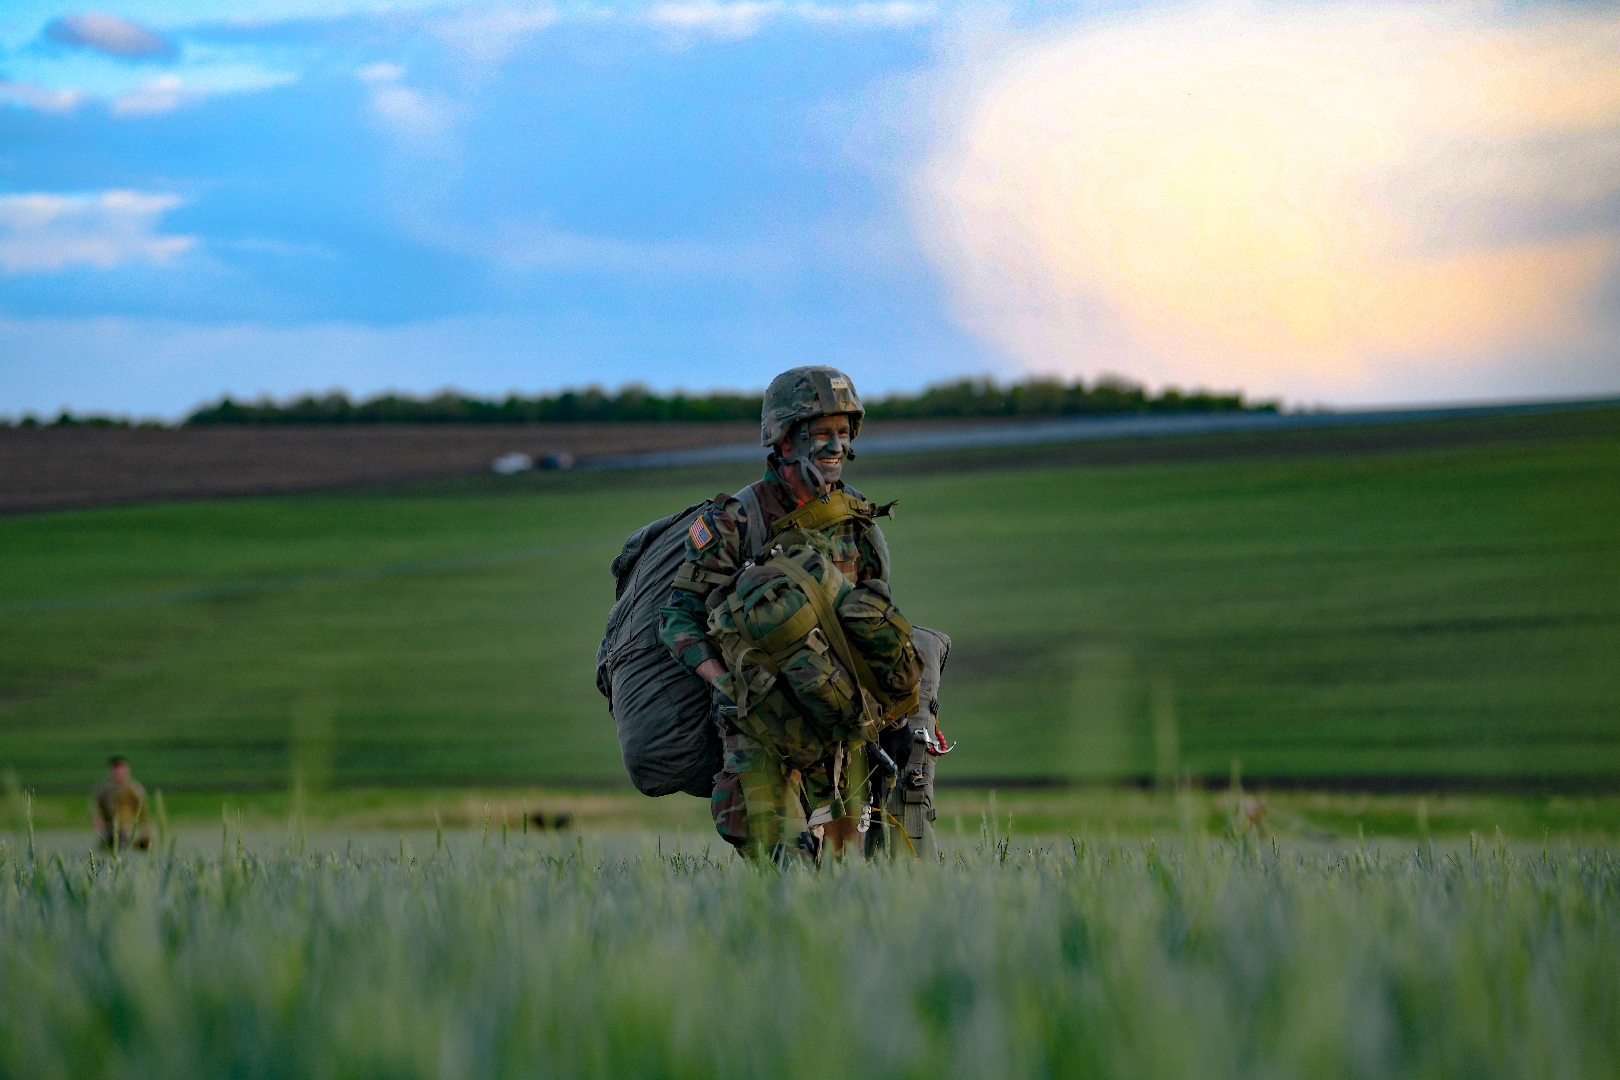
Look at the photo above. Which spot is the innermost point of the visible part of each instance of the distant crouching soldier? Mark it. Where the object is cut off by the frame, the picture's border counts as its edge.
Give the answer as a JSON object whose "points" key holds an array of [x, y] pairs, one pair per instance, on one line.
{"points": [[118, 809]]}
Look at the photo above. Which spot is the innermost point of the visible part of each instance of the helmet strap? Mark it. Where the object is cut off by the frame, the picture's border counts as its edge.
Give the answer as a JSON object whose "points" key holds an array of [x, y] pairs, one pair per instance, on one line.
{"points": [[804, 458], [807, 466]]}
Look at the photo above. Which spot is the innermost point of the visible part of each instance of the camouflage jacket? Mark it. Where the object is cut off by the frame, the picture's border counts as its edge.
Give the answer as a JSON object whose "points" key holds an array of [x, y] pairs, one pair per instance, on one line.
{"points": [[715, 544], [123, 805]]}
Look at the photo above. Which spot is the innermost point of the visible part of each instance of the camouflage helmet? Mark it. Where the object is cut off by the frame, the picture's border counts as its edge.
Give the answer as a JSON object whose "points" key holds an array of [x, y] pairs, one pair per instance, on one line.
{"points": [[803, 393]]}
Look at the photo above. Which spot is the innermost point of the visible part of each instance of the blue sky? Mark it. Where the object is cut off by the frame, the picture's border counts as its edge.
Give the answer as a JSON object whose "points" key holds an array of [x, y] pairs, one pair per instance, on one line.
{"points": [[285, 196]]}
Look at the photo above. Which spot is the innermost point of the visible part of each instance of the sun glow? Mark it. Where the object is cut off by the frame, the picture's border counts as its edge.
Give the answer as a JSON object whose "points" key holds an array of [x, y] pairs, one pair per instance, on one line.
{"points": [[1287, 203]]}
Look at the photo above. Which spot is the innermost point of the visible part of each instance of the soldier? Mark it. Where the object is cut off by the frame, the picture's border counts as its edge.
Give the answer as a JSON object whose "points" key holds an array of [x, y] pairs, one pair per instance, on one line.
{"points": [[118, 809], [811, 416]]}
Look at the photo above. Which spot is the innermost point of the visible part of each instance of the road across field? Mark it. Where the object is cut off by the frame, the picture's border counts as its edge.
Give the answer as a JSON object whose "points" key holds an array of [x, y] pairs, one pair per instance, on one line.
{"points": [[1071, 429]]}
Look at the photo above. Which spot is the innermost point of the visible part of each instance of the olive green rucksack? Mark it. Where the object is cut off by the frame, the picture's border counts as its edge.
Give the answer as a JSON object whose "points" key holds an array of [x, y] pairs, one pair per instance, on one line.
{"points": [[813, 660], [660, 709]]}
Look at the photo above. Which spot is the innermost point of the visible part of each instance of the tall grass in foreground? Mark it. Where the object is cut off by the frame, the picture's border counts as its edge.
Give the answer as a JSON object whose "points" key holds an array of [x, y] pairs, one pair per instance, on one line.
{"points": [[540, 960]]}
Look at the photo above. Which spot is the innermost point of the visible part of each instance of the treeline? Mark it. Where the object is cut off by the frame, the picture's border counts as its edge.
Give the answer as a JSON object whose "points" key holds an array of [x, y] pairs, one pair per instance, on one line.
{"points": [[1049, 397], [590, 405], [66, 419], [963, 399]]}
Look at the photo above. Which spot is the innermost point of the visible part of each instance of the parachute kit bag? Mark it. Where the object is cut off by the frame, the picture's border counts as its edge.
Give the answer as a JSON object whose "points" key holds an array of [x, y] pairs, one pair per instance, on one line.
{"points": [[660, 709]]}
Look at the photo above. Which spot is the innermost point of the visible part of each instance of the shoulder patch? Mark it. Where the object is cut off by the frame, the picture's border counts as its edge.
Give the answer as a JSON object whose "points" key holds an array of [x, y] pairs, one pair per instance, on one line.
{"points": [[702, 536]]}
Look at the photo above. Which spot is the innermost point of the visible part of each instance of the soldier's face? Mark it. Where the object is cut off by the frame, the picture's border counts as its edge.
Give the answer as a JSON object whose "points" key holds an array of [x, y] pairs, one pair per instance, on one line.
{"points": [[825, 441], [120, 772]]}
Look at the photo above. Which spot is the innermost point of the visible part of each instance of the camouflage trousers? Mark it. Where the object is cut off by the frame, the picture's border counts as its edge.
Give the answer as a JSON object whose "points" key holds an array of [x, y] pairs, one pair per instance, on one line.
{"points": [[768, 810], [125, 839]]}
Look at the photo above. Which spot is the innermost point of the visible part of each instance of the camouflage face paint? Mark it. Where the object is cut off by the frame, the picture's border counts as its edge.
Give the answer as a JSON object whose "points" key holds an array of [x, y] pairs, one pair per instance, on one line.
{"points": [[821, 455]]}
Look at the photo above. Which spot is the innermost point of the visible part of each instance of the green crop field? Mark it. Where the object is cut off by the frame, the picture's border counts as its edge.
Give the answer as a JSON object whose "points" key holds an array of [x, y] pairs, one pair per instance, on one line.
{"points": [[1438, 602], [533, 957]]}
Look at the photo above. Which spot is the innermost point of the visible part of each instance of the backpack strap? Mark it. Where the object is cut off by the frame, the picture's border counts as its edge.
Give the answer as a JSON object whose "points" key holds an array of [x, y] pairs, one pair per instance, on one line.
{"points": [[692, 578], [831, 629], [755, 532], [841, 505], [816, 515]]}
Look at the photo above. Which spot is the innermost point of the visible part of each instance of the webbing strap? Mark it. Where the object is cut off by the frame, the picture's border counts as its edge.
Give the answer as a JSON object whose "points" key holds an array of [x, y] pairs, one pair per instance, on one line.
{"points": [[815, 514], [802, 622], [777, 644], [756, 532], [903, 834], [735, 663], [816, 592], [692, 578]]}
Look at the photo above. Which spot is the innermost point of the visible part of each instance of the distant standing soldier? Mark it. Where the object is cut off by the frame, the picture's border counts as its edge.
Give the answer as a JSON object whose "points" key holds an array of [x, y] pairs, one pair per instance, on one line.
{"points": [[811, 416], [118, 809]]}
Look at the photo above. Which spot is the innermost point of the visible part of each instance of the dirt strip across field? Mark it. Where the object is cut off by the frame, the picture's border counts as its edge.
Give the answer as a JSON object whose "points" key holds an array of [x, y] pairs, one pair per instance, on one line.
{"points": [[52, 468]]}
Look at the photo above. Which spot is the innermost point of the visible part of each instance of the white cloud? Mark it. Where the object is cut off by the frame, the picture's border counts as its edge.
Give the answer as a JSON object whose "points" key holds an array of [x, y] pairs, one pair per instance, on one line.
{"points": [[414, 117], [44, 232], [161, 95], [372, 74], [488, 38], [31, 96], [166, 93], [897, 14], [418, 121], [743, 18], [109, 34], [734, 20], [1305, 203]]}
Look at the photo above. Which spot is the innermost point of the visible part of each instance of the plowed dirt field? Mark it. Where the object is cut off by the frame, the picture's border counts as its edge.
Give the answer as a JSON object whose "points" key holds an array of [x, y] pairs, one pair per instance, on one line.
{"points": [[52, 468]]}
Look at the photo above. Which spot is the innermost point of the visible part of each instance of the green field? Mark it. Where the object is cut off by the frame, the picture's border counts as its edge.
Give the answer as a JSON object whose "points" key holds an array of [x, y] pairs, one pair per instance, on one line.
{"points": [[534, 957], [1312, 606], [376, 815]]}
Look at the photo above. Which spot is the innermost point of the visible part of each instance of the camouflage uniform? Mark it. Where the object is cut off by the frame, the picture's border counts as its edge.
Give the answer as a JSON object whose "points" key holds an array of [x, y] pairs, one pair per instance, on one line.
{"points": [[120, 810], [760, 801], [764, 802]]}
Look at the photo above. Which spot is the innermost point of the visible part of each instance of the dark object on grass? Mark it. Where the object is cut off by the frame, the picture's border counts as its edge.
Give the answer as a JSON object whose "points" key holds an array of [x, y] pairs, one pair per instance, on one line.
{"points": [[557, 822]]}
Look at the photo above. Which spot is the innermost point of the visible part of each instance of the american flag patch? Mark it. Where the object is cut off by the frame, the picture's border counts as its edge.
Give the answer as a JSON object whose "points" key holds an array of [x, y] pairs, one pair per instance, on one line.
{"points": [[700, 534]]}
